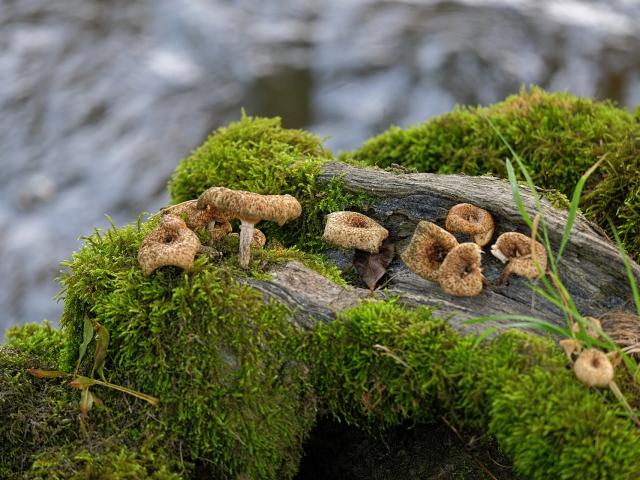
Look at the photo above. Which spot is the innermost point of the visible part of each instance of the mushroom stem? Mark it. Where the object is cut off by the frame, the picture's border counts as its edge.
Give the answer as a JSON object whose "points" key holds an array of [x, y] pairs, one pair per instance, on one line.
{"points": [[246, 235]]}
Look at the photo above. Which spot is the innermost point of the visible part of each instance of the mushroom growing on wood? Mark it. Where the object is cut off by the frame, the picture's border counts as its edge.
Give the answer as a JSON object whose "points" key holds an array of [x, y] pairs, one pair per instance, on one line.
{"points": [[427, 250], [172, 243], [250, 208], [460, 273], [515, 249], [354, 230], [471, 220], [214, 220]]}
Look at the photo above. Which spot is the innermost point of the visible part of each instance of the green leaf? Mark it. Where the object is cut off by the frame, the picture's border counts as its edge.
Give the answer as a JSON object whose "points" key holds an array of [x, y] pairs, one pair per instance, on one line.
{"points": [[573, 209], [632, 279], [86, 402], [39, 373], [87, 336], [102, 344]]}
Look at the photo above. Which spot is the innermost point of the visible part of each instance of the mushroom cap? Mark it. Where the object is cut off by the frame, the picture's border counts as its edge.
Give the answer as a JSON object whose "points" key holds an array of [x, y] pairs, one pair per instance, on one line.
{"points": [[354, 230], [172, 243], [515, 248], [427, 250], [219, 231], [258, 240], [471, 220], [593, 368], [460, 273], [195, 217], [251, 207]]}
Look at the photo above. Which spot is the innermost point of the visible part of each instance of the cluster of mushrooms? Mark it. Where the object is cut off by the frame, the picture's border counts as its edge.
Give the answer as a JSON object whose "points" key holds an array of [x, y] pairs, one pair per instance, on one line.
{"points": [[175, 243], [435, 254]]}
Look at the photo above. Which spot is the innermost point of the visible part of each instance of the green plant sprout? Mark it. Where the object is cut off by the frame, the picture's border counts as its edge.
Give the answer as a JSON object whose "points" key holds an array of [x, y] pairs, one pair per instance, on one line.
{"points": [[577, 327]]}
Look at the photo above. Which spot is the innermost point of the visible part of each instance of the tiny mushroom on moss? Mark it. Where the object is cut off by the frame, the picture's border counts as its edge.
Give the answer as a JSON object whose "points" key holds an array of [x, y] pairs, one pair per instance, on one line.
{"points": [[427, 250], [593, 368], [250, 208], [172, 243], [460, 273], [515, 249], [354, 230], [471, 220]]}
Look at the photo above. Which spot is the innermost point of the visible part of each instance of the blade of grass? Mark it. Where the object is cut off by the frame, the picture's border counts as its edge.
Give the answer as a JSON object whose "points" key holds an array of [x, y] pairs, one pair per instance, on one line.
{"points": [[573, 208], [515, 191], [627, 264]]}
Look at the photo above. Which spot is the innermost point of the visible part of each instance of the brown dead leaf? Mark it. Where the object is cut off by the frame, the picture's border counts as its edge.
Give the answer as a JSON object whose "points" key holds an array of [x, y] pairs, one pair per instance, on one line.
{"points": [[372, 266]]}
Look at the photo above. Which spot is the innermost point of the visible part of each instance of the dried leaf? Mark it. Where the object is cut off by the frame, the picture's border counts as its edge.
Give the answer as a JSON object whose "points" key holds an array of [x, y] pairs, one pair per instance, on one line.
{"points": [[83, 382], [87, 335], [102, 344], [86, 402], [39, 373], [372, 266]]}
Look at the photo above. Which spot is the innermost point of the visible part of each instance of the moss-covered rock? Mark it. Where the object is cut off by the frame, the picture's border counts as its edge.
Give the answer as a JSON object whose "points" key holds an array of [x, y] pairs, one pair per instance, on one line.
{"points": [[558, 135], [380, 364]]}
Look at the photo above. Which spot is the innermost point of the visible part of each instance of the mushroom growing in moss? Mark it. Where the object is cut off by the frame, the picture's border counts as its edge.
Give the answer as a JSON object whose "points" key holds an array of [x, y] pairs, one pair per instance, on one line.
{"points": [[514, 249], [593, 368], [460, 273], [250, 208], [427, 250], [354, 230], [216, 223], [471, 220], [172, 243]]}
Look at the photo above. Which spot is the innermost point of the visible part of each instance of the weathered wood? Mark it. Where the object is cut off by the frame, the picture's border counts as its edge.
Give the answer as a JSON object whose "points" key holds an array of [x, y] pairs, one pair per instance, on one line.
{"points": [[591, 267]]}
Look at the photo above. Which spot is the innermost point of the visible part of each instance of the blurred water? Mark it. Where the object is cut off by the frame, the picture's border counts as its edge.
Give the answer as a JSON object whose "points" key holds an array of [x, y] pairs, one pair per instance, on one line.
{"points": [[99, 100]]}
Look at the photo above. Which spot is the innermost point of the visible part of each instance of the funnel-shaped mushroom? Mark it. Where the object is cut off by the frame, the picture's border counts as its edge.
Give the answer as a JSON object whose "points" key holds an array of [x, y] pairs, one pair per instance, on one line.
{"points": [[354, 230], [427, 250], [593, 368], [515, 249], [472, 221], [250, 208], [214, 220], [172, 243], [460, 273]]}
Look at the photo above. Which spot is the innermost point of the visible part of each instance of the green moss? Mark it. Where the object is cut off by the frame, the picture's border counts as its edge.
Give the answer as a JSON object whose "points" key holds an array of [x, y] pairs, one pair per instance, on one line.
{"points": [[37, 339], [559, 136], [257, 154], [381, 364], [219, 358]]}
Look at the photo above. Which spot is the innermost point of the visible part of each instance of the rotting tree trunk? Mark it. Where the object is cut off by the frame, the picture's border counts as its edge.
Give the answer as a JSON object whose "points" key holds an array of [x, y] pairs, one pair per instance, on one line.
{"points": [[591, 267]]}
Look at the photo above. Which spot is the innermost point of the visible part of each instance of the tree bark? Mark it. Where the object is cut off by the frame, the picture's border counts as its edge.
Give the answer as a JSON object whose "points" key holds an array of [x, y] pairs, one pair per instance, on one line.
{"points": [[591, 268]]}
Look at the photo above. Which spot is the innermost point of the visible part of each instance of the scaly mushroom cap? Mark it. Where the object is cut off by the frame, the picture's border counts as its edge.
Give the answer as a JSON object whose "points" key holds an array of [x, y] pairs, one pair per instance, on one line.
{"points": [[515, 248], [251, 207], [593, 368], [195, 217], [354, 230], [172, 243], [427, 250], [471, 220], [259, 239], [460, 273]]}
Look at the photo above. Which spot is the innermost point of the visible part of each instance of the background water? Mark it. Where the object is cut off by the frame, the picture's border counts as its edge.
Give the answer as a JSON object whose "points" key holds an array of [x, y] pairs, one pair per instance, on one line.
{"points": [[100, 100]]}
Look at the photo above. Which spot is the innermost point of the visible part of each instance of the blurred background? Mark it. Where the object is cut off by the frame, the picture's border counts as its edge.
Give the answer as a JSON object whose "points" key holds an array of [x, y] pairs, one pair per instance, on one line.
{"points": [[100, 100]]}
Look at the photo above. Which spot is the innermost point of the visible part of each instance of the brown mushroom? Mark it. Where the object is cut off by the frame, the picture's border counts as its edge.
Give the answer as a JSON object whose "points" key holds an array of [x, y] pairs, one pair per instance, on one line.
{"points": [[214, 220], [427, 250], [219, 231], [471, 220], [250, 208], [172, 243], [515, 249], [354, 230], [259, 239], [593, 368], [460, 273]]}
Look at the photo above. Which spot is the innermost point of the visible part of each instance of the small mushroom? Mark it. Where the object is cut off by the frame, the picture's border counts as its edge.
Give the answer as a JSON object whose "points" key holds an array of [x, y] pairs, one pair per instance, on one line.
{"points": [[427, 250], [259, 239], [214, 220], [460, 273], [354, 230], [471, 220], [593, 368], [515, 249], [172, 243], [250, 208]]}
